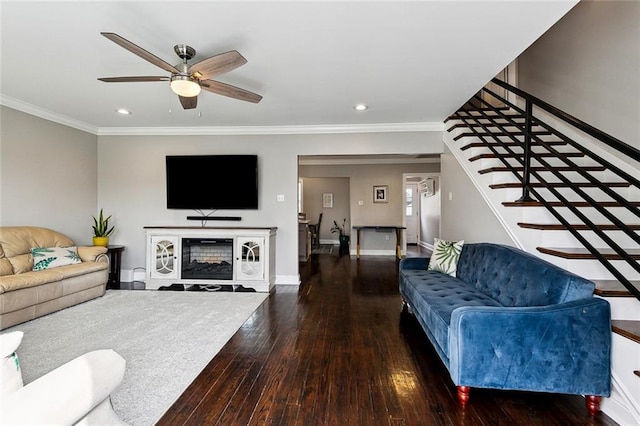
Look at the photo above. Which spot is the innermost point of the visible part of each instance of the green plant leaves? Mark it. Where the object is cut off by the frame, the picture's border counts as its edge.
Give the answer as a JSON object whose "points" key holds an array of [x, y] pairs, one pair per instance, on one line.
{"points": [[101, 226]]}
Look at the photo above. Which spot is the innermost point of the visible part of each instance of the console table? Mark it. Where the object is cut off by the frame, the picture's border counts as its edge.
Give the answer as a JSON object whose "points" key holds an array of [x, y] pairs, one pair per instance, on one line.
{"points": [[211, 256], [380, 228]]}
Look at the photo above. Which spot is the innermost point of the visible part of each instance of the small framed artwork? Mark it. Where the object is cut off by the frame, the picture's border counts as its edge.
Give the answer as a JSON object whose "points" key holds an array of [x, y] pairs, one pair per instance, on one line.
{"points": [[327, 200], [381, 194]]}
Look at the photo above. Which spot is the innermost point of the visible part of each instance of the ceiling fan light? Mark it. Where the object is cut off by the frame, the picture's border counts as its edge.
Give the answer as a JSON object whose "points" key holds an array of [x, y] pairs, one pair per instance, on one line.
{"points": [[184, 86]]}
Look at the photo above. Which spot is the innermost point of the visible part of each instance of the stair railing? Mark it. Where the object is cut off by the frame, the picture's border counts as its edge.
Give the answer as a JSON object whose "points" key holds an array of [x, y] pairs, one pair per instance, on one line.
{"points": [[489, 116]]}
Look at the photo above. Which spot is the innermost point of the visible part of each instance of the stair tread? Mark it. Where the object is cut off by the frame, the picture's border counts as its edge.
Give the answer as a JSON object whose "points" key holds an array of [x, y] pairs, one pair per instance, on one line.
{"points": [[520, 155], [609, 204], [509, 144], [583, 253], [613, 288], [542, 169], [500, 133], [627, 328], [579, 226], [492, 126], [559, 185]]}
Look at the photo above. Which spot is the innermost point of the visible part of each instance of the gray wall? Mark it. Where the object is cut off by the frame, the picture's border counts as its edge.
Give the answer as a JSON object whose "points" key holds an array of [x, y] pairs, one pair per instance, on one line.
{"points": [[313, 189], [466, 216], [587, 64], [362, 178], [48, 175], [131, 181]]}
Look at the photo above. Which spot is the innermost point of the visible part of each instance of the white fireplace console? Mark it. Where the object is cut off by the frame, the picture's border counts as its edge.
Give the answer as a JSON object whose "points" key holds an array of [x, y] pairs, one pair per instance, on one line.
{"points": [[243, 258]]}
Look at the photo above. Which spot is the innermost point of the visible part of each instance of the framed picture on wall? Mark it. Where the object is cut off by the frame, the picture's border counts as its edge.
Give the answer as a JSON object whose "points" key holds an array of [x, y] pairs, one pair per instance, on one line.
{"points": [[380, 194], [327, 200]]}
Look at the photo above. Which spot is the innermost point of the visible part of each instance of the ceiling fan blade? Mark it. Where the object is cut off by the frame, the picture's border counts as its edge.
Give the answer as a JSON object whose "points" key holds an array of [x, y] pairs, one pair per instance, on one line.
{"points": [[218, 64], [230, 91], [132, 79], [137, 50], [188, 103]]}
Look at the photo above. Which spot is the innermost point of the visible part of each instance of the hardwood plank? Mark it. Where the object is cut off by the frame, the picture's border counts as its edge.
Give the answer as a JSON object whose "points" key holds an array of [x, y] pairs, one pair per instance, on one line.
{"points": [[540, 169], [580, 204], [577, 226], [583, 253], [514, 133], [339, 350], [613, 288], [520, 155], [627, 328], [507, 185]]}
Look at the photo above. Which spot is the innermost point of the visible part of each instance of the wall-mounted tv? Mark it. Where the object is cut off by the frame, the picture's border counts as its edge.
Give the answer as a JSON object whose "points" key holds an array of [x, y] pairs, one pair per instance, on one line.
{"points": [[215, 182]]}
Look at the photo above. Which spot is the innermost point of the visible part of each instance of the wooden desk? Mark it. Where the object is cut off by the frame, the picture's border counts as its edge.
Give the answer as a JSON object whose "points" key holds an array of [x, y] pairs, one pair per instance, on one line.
{"points": [[378, 228]]}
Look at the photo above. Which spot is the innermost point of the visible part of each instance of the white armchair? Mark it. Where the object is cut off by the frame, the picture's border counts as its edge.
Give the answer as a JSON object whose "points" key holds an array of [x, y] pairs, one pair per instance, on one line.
{"points": [[76, 393]]}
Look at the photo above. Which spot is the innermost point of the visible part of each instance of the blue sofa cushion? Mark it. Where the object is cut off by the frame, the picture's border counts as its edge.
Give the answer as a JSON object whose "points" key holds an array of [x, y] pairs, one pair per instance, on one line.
{"points": [[434, 297], [517, 279]]}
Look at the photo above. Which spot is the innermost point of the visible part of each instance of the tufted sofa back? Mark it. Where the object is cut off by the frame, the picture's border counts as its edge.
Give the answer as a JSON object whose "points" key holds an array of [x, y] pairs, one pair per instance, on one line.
{"points": [[16, 243], [516, 278]]}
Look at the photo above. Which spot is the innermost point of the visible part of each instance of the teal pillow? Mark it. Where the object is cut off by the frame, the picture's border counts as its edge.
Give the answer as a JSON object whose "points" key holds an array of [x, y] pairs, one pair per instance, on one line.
{"points": [[445, 256]]}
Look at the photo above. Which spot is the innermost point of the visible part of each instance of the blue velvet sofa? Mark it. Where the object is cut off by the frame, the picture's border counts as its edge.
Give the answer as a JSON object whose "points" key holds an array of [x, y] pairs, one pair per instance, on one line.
{"points": [[510, 320]]}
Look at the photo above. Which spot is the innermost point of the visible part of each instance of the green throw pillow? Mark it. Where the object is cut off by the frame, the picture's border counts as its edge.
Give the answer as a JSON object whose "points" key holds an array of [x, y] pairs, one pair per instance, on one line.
{"points": [[445, 256], [53, 257]]}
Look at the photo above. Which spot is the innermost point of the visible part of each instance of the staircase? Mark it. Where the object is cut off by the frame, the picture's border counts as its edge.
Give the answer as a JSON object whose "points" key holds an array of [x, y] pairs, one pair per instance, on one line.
{"points": [[570, 194]]}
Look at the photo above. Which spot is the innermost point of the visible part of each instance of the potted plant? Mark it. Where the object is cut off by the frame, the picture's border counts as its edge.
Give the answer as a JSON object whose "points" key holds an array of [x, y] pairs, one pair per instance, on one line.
{"points": [[101, 230], [342, 236]]}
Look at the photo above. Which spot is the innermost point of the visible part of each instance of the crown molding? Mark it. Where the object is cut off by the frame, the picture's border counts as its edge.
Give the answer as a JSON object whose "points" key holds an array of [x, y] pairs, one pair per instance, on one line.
{"points": [[273, 130], [220, 130], [367, 161], [31, 109]]}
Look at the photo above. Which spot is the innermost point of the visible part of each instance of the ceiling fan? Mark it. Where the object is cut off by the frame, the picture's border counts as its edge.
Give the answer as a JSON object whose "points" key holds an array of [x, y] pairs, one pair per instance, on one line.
{"points": [[186, 80]]}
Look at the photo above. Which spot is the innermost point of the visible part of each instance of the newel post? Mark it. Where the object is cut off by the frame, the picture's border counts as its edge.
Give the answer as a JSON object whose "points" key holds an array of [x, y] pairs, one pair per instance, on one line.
{"points": [[526, 173]]}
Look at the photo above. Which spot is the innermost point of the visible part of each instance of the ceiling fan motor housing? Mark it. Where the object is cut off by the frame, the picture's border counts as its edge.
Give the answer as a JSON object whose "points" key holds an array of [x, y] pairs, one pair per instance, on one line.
{"points": [[184, 52]]}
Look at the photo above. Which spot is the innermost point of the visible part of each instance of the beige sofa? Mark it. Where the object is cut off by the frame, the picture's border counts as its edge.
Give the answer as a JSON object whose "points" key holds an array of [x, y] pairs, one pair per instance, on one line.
{"points": [[26, 294]]}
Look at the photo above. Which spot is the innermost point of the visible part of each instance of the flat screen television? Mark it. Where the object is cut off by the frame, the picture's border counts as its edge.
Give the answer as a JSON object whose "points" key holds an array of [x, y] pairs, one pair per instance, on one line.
{"points": [[215, 182]]}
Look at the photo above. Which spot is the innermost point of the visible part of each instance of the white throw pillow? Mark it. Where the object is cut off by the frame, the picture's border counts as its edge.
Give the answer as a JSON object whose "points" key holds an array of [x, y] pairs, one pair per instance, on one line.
{"points": [[445, 256], [53, 257], [10, 373]]}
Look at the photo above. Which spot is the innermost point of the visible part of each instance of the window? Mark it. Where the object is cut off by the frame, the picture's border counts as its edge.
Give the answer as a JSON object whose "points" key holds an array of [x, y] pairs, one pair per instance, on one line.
{"points": [[408, 202], [300, 205]]}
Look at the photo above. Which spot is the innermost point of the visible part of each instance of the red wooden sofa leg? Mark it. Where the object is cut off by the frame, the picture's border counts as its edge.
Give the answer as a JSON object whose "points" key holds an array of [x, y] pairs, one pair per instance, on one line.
{"points": [[463, 394], [593, 404]]}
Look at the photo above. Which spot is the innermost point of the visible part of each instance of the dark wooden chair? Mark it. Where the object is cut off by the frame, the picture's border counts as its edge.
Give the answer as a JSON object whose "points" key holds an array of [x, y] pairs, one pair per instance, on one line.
{"points": [[315, 232]]}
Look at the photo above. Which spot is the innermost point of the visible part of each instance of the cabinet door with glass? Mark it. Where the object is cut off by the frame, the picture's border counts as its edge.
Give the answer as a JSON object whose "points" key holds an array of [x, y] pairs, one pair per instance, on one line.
{"points": [[164, 257], [250, 258]]}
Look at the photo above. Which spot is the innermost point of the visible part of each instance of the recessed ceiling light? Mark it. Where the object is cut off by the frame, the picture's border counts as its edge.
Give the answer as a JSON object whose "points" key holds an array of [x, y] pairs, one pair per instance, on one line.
{"points": [[360, 107], [123, 111]]}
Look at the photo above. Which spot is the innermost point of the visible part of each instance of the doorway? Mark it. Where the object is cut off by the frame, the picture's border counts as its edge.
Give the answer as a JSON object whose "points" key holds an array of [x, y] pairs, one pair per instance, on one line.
{"points": [[421, 208]]}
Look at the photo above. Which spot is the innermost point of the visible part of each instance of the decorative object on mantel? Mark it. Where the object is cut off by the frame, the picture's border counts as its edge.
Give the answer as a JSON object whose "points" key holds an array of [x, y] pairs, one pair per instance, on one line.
{"points": [[380, 193], [342, 237], [101, 230]]}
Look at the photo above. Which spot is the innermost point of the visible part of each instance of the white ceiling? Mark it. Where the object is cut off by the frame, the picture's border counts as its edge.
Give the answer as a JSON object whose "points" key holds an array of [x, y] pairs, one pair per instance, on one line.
{"points": [[412, 62]]}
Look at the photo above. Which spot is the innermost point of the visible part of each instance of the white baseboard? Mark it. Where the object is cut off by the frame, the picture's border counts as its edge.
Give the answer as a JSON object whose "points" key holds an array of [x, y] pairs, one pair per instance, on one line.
{"points": [[426, 245], [131, 275], [287, 279], [370, 252]]}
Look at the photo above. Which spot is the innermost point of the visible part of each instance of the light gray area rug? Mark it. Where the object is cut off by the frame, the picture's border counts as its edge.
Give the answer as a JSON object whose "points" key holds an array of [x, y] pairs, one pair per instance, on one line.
{"points": [[166, 337]]}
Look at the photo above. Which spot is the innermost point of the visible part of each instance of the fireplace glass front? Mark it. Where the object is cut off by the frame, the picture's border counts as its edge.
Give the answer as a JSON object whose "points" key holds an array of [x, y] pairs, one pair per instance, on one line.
{"points": [[207, 258]]}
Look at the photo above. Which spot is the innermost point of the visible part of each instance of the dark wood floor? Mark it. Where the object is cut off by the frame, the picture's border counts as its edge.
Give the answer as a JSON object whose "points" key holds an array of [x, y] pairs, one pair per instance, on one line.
{"points": [[339, 351]]}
